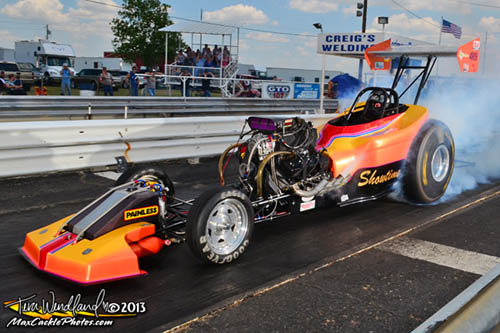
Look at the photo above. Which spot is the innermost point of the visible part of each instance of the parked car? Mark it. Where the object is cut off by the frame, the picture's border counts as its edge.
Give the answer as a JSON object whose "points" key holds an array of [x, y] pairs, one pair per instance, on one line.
{"points": [[89, 77], [119, 76], [29, 67], [28, 77]]}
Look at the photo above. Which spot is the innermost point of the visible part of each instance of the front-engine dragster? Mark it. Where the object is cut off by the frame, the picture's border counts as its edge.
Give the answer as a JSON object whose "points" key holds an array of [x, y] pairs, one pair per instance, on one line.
{"points": [[285, 167]]}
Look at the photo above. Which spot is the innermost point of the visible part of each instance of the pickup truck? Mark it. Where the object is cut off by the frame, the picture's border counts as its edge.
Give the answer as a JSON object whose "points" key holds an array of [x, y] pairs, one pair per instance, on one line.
{"points": [[27, 77]]}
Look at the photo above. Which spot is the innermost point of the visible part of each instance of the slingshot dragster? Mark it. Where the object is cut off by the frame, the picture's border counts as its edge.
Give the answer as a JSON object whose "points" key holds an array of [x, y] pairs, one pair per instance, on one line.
{"points": [[285, 167]]}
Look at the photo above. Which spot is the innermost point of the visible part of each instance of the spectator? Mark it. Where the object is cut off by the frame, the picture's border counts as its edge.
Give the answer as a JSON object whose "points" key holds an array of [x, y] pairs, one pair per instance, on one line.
{"points": [[151, 83], [2, 83], [245, 89], [206, 52], [19, 85], [179, 59], [14, 85], [209, 63], [205, 83], [66, 75], [186, 83], [226, 61], [106, 81], [226, 52], [132, 81], [189, 60], [200, 62]]}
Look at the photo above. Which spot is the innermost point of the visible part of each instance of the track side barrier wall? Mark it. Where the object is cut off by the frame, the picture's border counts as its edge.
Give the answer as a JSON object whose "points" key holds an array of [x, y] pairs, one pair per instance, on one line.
{"points": [[13, 108], [44, 146]]}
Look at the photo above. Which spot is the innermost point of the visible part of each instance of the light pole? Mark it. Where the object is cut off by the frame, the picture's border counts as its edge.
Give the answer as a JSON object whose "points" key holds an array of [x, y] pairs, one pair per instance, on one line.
{"points": [[364, 7], [383, 20], [323, 65]]}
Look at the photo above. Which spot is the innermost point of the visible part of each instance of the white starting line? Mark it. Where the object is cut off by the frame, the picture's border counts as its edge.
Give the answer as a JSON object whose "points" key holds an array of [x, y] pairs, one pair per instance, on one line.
{"points": [[443, 255]]}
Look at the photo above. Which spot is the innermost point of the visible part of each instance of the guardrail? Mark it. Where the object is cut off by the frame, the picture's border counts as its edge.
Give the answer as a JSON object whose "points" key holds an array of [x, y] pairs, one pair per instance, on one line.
{"points": [[39, 147], [74, 107]]}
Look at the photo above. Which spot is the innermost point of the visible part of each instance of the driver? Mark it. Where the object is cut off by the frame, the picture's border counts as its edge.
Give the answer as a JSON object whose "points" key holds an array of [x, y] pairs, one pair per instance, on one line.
{"points": [[377, 100]]}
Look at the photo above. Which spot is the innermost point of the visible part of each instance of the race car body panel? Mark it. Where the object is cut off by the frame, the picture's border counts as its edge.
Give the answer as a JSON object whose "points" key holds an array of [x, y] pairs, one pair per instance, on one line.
{"points": [[370, 144], [109, 257]]}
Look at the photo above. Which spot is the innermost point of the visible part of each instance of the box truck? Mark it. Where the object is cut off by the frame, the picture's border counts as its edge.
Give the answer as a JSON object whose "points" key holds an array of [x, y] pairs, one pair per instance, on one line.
{"points": [[47, 56]]}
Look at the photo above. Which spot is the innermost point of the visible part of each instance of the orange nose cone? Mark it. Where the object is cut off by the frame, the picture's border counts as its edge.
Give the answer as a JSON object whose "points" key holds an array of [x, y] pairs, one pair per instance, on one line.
{"points": [[147, 246]]}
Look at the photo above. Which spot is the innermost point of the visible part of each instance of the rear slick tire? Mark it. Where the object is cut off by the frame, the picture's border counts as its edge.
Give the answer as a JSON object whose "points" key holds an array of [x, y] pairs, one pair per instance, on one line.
{"points": [[430, 163], [220, 225]]}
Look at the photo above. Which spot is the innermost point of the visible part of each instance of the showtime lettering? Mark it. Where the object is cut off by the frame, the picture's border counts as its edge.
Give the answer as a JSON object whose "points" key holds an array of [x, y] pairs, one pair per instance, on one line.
{"points": [[140, 212], [370, 178]]}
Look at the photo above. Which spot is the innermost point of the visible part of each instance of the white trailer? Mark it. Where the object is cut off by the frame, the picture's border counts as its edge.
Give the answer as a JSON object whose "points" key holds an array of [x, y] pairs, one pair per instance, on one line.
{"points": [[7, 54], [47, 56], [100, 62], [299, 74]]}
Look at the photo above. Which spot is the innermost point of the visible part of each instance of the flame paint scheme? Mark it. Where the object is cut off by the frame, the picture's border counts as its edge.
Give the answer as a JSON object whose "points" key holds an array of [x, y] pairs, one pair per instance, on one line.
{"points": [[286, 167]]}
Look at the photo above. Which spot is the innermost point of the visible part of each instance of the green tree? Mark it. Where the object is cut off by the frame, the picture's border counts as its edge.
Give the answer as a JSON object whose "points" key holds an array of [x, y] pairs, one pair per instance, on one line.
{"points": [[136, 32]]}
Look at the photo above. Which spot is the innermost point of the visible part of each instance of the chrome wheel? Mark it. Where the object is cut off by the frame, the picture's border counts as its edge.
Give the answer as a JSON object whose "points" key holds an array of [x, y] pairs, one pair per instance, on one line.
{"points": [[227, 226], [440, 163]]}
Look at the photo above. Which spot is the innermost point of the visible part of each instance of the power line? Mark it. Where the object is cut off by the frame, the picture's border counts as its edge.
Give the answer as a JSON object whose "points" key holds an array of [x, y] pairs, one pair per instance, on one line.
{"points": [[104, 4], [417, 16], [241, 28], [423, 19], [305, 35], [476, 4]]}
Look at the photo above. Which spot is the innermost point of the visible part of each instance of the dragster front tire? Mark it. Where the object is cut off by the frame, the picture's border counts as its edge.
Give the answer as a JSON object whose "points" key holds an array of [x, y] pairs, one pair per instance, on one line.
{"points": [[220, 225], [147, 173], [430, 162]]}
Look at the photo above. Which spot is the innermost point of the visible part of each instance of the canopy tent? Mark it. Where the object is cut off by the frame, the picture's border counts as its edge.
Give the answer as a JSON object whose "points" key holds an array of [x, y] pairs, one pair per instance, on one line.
{"points": [[204, 28], [200, 27]]}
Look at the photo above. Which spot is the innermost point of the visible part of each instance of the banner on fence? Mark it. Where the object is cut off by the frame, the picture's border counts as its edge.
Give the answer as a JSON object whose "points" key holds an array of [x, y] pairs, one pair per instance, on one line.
{"points": [[282, 90], [306, 91]]}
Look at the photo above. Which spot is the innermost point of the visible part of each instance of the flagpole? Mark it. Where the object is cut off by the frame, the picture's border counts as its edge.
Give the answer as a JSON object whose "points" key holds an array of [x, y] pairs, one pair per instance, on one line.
{"points": [[441, 31], [484, 51], [440, 34]]}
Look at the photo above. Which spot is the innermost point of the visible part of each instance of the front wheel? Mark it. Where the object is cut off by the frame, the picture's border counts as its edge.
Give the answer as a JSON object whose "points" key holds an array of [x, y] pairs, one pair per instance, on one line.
{"points": [[430, 162], [149, 173], [219, 225]]}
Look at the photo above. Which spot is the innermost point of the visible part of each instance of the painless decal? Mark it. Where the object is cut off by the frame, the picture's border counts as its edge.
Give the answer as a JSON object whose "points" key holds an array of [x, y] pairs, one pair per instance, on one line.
{"points": [[137, 213]]}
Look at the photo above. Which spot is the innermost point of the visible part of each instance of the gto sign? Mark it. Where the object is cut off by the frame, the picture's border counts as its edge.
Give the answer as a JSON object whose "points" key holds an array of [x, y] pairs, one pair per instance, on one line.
{"points": [[277, 90]]}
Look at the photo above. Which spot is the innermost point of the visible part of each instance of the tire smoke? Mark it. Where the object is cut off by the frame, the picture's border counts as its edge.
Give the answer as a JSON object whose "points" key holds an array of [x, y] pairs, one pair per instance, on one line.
{"points": [[471, 109]]}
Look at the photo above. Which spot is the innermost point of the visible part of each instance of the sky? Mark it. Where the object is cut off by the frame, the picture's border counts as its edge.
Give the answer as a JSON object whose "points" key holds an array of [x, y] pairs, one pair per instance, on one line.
{"points": [[85, 25]]}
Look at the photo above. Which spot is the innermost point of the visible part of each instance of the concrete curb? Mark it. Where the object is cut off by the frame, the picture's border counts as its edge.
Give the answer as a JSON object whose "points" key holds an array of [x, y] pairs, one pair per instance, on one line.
{"points": [[476, 309]]}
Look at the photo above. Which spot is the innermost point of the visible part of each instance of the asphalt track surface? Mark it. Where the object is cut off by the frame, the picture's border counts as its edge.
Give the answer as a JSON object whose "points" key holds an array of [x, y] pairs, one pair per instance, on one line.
{"points": [[250, 294]]}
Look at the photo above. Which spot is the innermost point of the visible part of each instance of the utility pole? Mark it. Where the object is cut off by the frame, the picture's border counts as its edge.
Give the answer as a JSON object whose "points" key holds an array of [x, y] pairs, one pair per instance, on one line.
{"points": [[47, 32], [363, 6], [201, 19], [323, 65]]}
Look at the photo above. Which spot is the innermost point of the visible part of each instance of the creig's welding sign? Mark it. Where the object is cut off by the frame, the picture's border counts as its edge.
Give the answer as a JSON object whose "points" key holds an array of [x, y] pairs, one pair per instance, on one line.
{"points": [[353, 44]]}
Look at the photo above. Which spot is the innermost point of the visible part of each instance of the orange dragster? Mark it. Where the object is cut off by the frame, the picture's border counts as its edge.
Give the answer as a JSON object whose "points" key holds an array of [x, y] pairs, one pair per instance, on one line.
{"points": [[285, 167]]}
